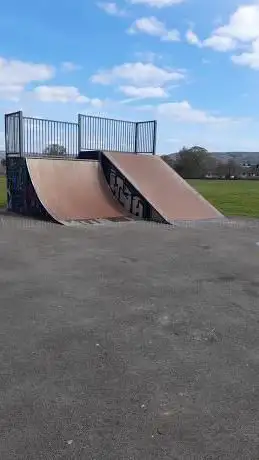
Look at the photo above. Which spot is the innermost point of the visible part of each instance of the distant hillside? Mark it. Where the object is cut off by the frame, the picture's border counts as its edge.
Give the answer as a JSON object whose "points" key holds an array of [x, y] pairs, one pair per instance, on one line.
{"points": [[252, 157], [240, 157]]}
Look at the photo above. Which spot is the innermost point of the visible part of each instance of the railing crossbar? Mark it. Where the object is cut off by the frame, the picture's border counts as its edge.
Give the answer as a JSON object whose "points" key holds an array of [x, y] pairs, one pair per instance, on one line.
{"points": [[30, 136]]}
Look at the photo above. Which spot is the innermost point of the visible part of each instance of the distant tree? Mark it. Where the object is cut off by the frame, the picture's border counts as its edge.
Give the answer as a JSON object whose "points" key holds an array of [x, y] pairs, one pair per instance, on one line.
{"points": [[168, 159], [211, 165], [193, 163], [221, 169], [233, 169], [3, 162], [55, 150]]}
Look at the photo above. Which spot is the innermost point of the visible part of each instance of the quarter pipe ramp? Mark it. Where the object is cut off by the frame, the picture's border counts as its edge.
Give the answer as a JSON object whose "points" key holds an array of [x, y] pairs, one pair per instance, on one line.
{"points": [[117, 187], [73, 190], [166, 192]]}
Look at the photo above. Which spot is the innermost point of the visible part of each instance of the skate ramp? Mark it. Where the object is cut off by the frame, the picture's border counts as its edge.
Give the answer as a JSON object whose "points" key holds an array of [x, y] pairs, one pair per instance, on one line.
{"points": [[170, 195], [73, 190]]}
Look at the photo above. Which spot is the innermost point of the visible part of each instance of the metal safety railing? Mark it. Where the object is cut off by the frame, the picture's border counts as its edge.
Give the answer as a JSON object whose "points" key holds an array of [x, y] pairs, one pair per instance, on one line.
{"points": [[97, 133], [28, 136], [13, 133], [49, 137], [146, 133]]}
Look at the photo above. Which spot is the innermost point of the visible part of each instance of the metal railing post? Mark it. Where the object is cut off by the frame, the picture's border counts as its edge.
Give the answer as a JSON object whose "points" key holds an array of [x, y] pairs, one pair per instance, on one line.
{"points": [[21, 133], [154, 138], [6, 135], [79, 133], [136, 137]]}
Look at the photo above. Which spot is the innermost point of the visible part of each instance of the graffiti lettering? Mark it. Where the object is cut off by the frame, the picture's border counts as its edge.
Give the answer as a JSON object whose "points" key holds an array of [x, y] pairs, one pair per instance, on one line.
{"points": [[116, 184], [131, 202], [127, 202], [16, 179], [137, 207], [112, 181]]}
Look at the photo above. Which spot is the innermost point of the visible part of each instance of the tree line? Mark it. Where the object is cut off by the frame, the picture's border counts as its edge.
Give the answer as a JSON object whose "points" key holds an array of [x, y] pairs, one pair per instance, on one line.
{"points": [[52, 150], [190, 163], [197, 163]]}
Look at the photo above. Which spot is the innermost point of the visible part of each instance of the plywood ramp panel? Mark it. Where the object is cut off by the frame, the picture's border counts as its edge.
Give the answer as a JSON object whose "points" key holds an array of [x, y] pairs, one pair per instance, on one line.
{"points": [[170, 195], [73, 190]]}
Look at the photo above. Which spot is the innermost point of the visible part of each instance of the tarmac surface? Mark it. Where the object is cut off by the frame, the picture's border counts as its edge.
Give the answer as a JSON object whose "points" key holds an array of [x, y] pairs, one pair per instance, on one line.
{"points": [[129, 342]]}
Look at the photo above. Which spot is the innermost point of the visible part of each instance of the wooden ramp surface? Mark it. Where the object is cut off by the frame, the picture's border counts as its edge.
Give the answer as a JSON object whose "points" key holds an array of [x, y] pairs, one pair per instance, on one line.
{"points": [[73, 190], [170, 195]]}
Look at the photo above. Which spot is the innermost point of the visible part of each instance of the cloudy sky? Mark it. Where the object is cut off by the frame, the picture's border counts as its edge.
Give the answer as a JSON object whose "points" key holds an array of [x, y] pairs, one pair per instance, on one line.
{"points": [[191, 64]]}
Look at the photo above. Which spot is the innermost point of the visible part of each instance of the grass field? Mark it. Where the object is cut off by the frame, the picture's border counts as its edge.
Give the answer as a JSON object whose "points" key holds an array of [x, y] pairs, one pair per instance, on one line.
{"points": [[232, 198], [2, 191]]}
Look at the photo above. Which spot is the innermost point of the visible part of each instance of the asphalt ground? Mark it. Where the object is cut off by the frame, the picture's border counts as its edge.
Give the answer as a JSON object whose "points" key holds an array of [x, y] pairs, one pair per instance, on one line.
{"points": [[129, 341]]}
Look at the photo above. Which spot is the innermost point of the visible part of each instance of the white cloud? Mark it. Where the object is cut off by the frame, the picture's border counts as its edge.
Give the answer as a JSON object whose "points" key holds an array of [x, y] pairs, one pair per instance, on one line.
{"points": [[138, 74], [243, 24], [143, 93], [192, 38], [152, 26], [220, 43], [242, 30], [250, 58], [69, 66], [112, 9], [216, 42], [63, 94], [11, 92], [184, 112], [15, 75], [158, 3], [14, 72], [96, 103]]}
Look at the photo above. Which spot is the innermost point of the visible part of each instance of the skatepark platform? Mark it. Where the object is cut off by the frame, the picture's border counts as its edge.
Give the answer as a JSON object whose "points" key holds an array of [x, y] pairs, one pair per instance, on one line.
{"points": [[114, 186]]}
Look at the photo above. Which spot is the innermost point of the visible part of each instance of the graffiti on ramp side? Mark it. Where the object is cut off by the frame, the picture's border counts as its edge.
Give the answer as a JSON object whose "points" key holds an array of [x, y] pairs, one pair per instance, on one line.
{"points": [[131, 202]]}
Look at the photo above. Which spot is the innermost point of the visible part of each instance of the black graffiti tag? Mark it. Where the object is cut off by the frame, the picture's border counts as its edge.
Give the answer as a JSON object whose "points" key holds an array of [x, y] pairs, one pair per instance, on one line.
{"points": [[131, 202]]}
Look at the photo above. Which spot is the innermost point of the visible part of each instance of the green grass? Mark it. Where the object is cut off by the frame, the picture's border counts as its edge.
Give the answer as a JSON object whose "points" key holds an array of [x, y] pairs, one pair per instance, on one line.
{"points": [[2, 191], [232, 198]]}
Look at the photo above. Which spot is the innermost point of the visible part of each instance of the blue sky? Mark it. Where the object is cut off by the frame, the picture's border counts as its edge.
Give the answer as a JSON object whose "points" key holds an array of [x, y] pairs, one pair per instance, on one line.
{"points": [[191, 64]]}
